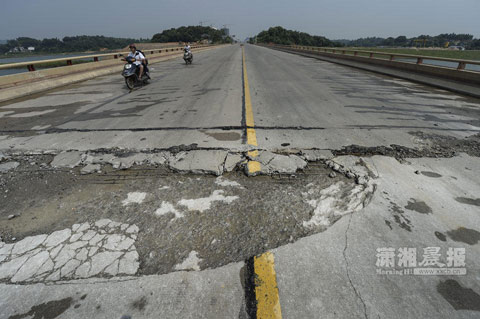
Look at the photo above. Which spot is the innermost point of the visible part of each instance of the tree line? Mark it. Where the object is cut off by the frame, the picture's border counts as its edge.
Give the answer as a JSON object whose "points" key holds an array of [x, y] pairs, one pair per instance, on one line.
{"points": [[279, 35], [192, 34], [98, 43], [68, 44], [441, 40]]}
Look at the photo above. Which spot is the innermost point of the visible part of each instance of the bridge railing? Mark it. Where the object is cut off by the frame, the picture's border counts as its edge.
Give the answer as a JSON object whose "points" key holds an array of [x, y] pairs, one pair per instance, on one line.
{"points": [[460, 63], [30, 65]]}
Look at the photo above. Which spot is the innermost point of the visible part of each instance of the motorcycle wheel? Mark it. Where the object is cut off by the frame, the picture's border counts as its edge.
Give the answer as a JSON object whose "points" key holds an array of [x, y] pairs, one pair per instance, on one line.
{"points": [[130, 81]]}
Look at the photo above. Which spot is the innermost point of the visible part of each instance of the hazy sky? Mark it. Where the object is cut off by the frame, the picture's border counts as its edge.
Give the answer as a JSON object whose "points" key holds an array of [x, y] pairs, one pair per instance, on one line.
{"points": [[334, 19]]}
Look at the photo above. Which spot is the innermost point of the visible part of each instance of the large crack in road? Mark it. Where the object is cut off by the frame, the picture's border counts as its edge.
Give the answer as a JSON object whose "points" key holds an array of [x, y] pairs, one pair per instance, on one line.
{"points": [[188, 219]]}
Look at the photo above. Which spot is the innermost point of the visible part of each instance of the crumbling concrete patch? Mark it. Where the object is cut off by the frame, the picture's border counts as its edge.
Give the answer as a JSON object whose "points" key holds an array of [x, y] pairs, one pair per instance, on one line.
{"points": [[134, 198], [316, 155], [67, 159], [91, 168], [190, 263], [232, 161], [214, 162], [5, 167], [199, 161], [127, 161], [104, 248], [272, 163], [168, 208], [358, 167], [335, 201], [222, 181], [205, 203]]}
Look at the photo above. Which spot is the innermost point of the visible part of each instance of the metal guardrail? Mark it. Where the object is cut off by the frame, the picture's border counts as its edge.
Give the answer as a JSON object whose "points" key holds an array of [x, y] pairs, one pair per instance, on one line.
{"points": [[95, 58], [461, 64]]}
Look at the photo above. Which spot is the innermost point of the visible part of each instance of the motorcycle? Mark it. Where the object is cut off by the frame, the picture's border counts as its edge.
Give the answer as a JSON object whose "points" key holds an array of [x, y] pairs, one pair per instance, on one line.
{"points": [[131, 71], [188, 56]]}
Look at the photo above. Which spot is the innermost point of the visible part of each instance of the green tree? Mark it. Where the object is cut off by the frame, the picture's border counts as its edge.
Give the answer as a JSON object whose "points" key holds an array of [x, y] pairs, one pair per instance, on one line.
{"points": [[279, 35], [191, 34], [400, 41]]}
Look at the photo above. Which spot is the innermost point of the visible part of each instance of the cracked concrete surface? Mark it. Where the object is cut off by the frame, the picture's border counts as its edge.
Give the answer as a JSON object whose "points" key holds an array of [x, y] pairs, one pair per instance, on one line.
{"points": [[347, 270], [347, 267], [103, 248]]}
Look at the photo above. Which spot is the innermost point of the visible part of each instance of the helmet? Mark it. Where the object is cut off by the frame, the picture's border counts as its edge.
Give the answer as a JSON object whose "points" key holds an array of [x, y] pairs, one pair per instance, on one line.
{"points": [[132, 46]]}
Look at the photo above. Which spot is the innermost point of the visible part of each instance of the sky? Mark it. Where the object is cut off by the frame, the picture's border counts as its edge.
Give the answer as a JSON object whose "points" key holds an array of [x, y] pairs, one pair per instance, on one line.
{"points": [[335, 19]]}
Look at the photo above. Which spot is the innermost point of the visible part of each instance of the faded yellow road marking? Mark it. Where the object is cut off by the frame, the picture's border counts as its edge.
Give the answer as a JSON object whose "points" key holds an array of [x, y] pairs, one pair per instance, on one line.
{"points": [[253, 166], [266, 290]]}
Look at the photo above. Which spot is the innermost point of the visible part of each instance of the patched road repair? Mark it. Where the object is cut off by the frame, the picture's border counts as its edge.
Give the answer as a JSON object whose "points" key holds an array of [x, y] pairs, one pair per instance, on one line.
{"points": [[253, 183]]}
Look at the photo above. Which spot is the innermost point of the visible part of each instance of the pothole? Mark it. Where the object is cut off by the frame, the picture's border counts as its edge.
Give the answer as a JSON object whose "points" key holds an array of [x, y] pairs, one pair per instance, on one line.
{"points": [[185, 221]]}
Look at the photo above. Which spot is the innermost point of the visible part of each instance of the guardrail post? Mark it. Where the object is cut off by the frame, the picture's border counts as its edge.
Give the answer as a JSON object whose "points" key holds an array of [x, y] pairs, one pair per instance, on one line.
{"points": [[95, 59], [151, 52], [69, 62], [31, 67], [419, 60], [115, 56], [334, 51], [355, 53], [343, 52], [392, 57], [461, 66], [371, 55]]}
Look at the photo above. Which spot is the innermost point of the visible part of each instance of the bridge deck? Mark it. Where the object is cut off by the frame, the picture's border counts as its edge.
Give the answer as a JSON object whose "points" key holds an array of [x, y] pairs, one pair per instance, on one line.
{"points": [[418, 145]]}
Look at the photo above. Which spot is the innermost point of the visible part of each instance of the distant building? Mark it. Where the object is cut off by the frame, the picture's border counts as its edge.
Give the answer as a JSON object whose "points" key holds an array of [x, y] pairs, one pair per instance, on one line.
{"points": [[21, 49], [226, 31], [17, 50]]}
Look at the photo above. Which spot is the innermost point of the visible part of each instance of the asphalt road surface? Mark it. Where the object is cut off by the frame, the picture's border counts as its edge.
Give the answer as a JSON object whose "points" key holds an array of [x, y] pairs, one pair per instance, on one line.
{"points": [[252, 183]]}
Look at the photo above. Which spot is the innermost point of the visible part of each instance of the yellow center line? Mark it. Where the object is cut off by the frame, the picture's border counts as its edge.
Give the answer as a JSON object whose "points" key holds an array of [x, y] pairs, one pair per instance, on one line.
{"points": [[253, 166], [266, 290]]}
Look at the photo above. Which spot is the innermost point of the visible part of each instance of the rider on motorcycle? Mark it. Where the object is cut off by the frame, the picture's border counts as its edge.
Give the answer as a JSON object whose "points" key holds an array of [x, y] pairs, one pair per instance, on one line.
{"points": [[139, 58], [187, 47]]}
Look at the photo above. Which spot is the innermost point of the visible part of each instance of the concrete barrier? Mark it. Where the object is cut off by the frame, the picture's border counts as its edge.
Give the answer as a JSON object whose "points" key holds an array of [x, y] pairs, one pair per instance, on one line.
{"points": [[23, 84], [457, 80]]}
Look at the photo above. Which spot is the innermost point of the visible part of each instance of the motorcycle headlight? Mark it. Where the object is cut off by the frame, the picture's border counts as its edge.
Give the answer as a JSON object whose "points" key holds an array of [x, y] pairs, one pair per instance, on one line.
{"points": [[128, 66]]}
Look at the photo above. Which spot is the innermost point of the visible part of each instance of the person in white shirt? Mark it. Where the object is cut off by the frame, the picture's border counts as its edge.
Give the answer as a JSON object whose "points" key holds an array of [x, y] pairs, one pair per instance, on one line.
{"points": [[139, 58], [187, 47]]}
